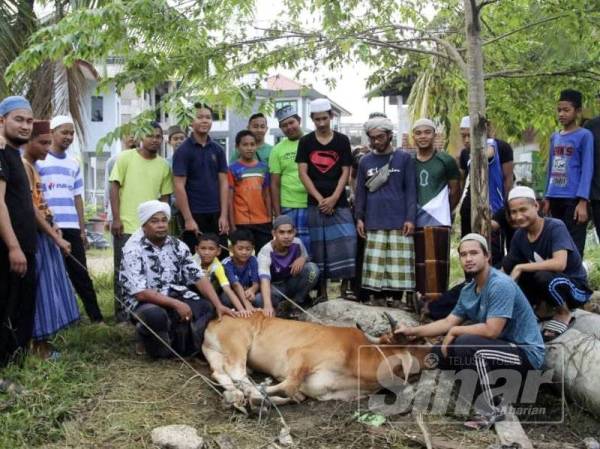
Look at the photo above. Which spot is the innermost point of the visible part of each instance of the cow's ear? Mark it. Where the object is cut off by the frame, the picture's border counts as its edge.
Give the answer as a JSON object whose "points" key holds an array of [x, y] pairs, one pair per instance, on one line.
{"points": [[400, 339]]}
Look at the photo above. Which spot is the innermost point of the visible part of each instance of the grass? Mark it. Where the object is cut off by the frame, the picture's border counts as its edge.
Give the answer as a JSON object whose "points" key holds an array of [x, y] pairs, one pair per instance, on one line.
{"points": [[99, 394]]}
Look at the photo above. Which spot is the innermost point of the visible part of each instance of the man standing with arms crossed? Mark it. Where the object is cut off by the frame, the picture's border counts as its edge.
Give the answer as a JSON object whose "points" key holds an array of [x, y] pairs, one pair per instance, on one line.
{"points": [[62, 185]]}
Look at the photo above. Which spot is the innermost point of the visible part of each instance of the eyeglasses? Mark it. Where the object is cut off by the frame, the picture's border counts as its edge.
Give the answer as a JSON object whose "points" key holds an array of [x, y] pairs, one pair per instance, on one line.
{"points": [[378, 137]]}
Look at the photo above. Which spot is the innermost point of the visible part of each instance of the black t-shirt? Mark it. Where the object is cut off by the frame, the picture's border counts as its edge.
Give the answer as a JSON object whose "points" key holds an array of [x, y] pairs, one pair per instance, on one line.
{"points": [[505, 153], [554, 237], [325, 163], [18, 200], [594, 126]]}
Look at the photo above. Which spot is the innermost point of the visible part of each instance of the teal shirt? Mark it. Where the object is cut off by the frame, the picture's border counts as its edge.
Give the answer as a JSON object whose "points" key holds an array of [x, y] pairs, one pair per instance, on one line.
{"points": [[501, 297], [263, 152]]}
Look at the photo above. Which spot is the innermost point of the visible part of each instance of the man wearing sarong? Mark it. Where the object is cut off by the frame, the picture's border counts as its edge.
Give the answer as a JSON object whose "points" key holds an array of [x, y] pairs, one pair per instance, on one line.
{"points": [[438, 193], [156, 270], [288, 195], [324, 160], [385, 210]]}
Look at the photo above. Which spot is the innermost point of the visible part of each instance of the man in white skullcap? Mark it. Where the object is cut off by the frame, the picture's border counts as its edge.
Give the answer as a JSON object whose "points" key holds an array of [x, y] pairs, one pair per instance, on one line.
{"points": [[324, 159], [385, 209], [544, 260], [491, 334], [438, 193], [63, 189], [156, 270], [500, 179]]}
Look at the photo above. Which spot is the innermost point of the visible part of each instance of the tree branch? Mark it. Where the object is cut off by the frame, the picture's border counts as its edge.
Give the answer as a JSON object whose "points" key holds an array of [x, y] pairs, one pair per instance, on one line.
{"points": [[485, 3], [524, 27], [520, 73]]}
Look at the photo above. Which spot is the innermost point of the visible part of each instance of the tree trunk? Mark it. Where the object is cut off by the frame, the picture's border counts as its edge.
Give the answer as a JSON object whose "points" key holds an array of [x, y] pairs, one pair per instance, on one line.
{"points": [[480, 204]]}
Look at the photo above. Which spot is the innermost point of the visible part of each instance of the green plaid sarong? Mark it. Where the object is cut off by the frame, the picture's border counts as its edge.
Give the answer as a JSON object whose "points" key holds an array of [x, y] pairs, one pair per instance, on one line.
{"points": [[389, 261]]}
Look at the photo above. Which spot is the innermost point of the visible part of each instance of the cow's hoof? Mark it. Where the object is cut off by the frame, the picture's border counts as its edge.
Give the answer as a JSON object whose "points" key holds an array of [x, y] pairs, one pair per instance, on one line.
{"points": [[234, 398]]}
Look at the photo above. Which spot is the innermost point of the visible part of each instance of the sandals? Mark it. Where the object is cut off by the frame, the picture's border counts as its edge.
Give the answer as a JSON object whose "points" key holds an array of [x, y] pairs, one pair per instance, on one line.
{"points": [[554, 328]]}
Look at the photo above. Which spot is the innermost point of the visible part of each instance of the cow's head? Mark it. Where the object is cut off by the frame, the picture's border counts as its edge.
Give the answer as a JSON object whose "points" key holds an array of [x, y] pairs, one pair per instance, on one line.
{"points": [[392, 338]]}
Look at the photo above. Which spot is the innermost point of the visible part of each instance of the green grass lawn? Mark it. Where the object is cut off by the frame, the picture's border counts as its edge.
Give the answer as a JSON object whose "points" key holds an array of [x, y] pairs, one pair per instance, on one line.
{"points": [[99, 394]]}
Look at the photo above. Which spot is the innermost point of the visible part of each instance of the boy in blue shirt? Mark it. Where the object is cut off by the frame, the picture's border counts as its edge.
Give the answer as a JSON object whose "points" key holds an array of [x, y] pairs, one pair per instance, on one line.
{"points": [[570, 169], [503, 336], [241, 269]]}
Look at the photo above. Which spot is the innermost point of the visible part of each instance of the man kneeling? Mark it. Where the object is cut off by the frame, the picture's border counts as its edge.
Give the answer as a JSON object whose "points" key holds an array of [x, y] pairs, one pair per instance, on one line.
{"points": [[504, 334], [155, 271], [545, 262], [283, 267]]}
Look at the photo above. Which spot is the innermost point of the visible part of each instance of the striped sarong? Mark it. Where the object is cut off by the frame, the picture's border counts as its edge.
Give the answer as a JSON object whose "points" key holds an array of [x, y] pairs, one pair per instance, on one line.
{"points": [[55, 303], [389, 261], [333, 242], [432, 260], [300, 218]]}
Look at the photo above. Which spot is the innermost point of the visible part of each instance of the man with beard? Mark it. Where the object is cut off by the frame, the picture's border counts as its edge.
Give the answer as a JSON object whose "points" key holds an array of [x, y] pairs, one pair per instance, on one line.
{"points": [[17, 232], [438, 193], [385, 209], [201, 185], [288, 195], [324, 159], [502, 333], [138, 176], [62, 184]]}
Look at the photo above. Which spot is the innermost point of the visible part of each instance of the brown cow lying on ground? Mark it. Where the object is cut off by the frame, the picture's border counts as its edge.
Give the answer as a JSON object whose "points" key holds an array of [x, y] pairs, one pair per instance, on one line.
{"points": [[308, 359]]}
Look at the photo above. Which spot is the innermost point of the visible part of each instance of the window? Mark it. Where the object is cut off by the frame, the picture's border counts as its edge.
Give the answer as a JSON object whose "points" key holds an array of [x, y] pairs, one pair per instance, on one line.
{"points": [[97, 109], [219, 113], [281, 103]]}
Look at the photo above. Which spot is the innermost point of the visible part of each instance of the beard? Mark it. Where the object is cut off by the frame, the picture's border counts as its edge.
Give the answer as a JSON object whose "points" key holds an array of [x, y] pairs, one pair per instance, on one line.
{"points": [[17, 140]]}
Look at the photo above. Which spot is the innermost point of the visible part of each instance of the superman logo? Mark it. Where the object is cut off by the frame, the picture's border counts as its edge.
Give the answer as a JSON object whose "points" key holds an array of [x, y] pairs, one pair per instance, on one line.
{"points": [[324, 160]]}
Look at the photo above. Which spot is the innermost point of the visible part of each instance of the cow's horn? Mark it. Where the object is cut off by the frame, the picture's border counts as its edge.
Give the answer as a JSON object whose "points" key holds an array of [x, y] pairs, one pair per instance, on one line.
{"points": [[373, 340], [392, 321]]}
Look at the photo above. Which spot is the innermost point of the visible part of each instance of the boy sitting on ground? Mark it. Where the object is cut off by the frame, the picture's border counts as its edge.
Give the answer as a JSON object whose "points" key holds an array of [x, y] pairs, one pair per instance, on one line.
{"points": [[241, 269], [207, 256], [545, 262], [283, 267]]}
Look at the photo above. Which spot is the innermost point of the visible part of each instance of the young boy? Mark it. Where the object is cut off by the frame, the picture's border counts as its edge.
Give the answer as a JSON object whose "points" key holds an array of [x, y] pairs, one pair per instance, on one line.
{"points": [[207, 257], [570, 169], [241, 269], [257, 124], [249, 191], [284, 267]]}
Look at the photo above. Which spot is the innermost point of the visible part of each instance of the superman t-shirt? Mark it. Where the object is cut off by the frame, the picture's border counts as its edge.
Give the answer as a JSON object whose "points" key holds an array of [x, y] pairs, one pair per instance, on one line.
{"points": [[325, 163]]}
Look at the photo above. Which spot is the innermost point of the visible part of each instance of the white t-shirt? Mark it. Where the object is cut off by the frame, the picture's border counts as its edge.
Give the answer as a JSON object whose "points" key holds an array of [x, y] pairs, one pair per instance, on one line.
{"points": [[61, 183]]}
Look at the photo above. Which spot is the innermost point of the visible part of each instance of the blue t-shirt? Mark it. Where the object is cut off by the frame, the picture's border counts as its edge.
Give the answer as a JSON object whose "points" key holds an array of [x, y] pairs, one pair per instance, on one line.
{"points": [[201, 165], [570, 164], [501, 297], [554, 237], [245, 275]]}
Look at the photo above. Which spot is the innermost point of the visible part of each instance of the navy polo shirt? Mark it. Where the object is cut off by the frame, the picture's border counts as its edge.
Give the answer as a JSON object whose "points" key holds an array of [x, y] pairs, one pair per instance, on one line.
{"points": [[201, 165]]}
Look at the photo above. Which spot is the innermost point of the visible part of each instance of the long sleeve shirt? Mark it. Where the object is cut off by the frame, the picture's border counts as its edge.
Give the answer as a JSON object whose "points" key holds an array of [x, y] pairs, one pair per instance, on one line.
{"points": [[395, 202], [570, 165]]}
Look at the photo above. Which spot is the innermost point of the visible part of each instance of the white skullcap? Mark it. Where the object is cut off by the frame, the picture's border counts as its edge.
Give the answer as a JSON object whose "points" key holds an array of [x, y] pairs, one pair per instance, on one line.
{"points": [[477, 238], [320, 105], [60, 120], [465, 122], [383, 123], [423, 122], [521, 192], [149, 208]]}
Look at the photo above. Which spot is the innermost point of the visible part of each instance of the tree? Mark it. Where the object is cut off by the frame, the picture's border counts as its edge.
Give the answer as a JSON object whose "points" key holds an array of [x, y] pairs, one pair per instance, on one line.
{"points": [[209, 46]]}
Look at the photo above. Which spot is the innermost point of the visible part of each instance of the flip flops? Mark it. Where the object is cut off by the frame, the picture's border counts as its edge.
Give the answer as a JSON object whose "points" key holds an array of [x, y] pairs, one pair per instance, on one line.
{"points": [[554, 328]]}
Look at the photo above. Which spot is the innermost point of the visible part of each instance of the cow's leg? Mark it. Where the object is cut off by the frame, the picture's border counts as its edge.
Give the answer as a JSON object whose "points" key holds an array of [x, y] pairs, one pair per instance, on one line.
{"points": [[297, 372], [233, 394]]}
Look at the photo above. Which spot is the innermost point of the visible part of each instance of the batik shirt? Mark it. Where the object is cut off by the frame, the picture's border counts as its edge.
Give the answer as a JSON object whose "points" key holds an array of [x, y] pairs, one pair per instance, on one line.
{"points": [[165, 269]]}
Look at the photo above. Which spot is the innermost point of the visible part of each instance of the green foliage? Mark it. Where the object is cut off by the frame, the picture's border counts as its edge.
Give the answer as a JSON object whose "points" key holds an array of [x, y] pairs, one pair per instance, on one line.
{"points": [[532, 49]]}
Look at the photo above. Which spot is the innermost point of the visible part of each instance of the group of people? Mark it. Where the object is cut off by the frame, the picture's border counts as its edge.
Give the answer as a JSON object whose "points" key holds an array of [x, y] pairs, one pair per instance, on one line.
{"points": [[197, 237]]}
